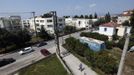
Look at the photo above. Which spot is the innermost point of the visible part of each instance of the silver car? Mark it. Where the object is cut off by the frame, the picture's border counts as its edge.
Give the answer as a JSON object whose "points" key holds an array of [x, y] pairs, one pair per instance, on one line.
{"points": [[26, 50]]}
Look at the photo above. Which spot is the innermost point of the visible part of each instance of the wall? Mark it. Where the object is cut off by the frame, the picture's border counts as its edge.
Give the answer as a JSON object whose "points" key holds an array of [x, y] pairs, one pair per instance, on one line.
{"points": [[121, 19], [109, 32], [121, 31]]}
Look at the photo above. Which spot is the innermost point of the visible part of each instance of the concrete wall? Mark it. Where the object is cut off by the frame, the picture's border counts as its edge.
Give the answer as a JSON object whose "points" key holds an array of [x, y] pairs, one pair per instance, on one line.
{"points": [[121, 19], [109, 30], [121, 31]]}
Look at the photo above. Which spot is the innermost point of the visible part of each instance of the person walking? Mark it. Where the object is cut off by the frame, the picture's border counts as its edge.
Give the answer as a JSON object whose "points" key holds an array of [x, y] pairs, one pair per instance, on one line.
{"points": [[80, 67]]}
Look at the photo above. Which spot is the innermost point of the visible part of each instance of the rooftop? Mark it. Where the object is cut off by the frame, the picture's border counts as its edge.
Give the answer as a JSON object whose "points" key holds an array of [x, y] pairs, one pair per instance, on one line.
{"points": [[92, 40], [110, 24]]}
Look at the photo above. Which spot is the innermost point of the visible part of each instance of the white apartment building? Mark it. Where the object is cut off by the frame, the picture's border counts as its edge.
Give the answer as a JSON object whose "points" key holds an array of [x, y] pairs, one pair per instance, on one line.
{"points": [[5, 23], [112, 28], [47, 23], [11, 23], [79, 22], [125, 16]]}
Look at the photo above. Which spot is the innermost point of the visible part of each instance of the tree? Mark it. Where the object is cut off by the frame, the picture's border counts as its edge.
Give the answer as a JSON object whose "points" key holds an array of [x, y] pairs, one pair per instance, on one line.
{"points": [[86, 16], [99, 22], [5, 38], [66, 16], [81, 16], [126, 23], [76, 16], [95, 36], [132, 19], [95, 15], [43, 34], [132, 23], [107, 17], [46, 15], [115, 37], [90, 16], [69, 29]]}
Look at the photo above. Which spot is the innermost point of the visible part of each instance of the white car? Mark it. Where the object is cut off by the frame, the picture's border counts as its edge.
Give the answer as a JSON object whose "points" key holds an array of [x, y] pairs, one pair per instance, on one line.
{"points": [[26, 50]]}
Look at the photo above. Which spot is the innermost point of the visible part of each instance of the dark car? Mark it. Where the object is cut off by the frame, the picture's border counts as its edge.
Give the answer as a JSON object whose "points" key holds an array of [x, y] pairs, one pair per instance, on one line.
{"points": [[45, 52], [6, 61], [41, 44]]}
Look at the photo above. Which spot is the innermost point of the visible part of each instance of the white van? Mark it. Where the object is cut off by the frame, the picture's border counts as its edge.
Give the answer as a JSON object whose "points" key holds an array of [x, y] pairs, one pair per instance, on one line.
{"points": [[26, 50]]}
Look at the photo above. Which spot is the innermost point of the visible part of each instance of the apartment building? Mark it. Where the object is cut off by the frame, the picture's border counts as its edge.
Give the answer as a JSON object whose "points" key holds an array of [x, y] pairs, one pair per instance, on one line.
{"points": [[47, 23], [80, 22], [11, 23], [125, 16]]}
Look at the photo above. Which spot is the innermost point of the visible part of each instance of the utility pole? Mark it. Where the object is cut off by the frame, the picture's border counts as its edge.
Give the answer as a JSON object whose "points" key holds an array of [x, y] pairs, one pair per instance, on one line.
{"points": [[56, 31], [123, 55], [33, 13]]}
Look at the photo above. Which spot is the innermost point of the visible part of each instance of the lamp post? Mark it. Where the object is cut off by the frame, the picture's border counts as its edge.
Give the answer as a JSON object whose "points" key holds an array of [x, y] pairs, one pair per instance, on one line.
{"points": [[54, 14]]}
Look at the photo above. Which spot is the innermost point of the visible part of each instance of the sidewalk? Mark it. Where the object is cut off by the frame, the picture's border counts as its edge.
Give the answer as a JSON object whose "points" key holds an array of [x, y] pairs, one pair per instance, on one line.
{"points": [[73, 63]]}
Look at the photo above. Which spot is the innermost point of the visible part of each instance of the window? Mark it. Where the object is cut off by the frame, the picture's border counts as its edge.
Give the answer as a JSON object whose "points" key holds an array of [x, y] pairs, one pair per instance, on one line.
{"points": [[60, 19], [37, 20], [60, 24], [41, 20], [37, 24], [105, 29], [38, 28], [49, 20], [79, 22], [49, 26]]}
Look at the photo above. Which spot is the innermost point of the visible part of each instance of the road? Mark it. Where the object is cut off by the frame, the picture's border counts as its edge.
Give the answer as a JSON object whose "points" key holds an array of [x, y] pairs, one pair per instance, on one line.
{"points": [[26, 59]]}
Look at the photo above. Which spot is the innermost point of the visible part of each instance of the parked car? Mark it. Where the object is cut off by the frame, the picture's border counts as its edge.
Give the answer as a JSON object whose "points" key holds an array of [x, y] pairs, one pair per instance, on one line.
{"points": [[45, 52], [41, 44], [26, 50], [6, 61]]}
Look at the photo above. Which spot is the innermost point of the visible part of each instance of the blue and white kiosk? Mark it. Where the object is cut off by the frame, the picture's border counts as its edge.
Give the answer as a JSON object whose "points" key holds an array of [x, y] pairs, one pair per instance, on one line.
{"points": [[93, 44]]}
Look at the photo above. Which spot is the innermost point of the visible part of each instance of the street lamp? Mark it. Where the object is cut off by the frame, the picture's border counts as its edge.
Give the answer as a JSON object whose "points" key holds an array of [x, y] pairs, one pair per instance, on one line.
{"points": [[54, 14]]}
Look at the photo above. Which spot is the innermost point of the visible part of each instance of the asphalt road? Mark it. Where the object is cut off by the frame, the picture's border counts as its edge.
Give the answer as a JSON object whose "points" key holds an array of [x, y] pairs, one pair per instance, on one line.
{"points": [[26, 59]]}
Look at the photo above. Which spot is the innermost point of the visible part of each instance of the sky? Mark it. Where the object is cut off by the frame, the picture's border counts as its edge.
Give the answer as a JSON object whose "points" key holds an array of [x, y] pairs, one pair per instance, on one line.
{"points": [[66, 7]]}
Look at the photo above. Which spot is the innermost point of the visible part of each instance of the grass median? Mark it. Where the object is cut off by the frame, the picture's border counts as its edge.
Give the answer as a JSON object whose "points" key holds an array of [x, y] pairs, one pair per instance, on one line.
{"points": [[47, 66]]}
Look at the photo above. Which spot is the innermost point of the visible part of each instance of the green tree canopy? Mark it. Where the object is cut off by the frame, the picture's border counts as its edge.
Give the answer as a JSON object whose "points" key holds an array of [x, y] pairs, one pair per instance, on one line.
{"points": [[43, 34], [86, 16], [76, 16], [126, 23], [107, 17], [95, 15], [132, 19], [81, 16], [90, 16]]}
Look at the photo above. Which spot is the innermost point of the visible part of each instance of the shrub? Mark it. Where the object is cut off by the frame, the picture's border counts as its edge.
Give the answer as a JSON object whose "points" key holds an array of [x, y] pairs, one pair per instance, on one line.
{"points": [[115, 37], [110, 44], [95, 36]]}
